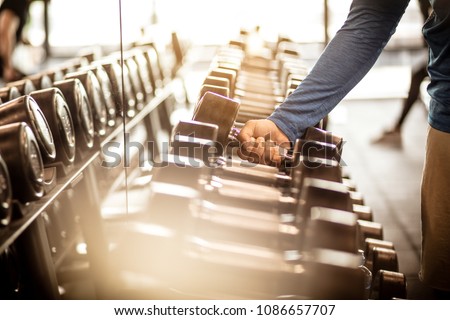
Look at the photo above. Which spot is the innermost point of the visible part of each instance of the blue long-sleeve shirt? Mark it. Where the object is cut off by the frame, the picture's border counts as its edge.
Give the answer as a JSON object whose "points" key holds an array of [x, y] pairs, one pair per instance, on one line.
{"points": [[353, 52]]}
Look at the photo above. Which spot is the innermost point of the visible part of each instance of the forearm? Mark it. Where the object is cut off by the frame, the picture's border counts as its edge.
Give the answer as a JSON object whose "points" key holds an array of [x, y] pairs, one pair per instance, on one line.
{"points": [[345, 61]]}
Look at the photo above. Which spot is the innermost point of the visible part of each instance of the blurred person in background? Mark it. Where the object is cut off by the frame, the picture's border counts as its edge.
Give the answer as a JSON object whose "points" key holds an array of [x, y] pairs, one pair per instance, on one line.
{"points": [[13, 15], [418, 75]]}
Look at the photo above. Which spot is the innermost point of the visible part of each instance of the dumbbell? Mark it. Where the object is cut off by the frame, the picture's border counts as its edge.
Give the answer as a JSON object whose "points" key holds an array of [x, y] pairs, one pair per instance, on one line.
{"points": [[331, 274], [220, 110], [25, 86], [144, 74], [156, 73], [331, 229], [107, 90], [25, 109], [5, 194], [158, 234], [223, 193], [54, 74], [96, 98], [73, 64], [370, 244], [186, 144], [114, 72], [59, 118], [230, 75], [388, 285], [217, 82], [81, 113], [117, 75], [135, 81], [9, 93], [223, 91], [21, 154], [40, 81]]}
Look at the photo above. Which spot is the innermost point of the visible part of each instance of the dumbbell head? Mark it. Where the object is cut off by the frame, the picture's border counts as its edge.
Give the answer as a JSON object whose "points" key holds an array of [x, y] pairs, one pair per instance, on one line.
{"points": [[54, 74], [135, 82], [130, 102], [5, 194], [218, 110], [11, 274], [9, 93], [370, 229], [316, 134], [332, 229], [25, 86], [363, 212], [57, 113], [217, 81], [154, 66], [144, 74], [316, 149], [328, 194], [107, 90], [96, 98], [388, 285], [333, 275], [25, 109], [196, 129], [383, 259], [230, 75], [370, 244], [81, 113], [179, 170], [114, 72], [316, 168], [223, 91], [20, 151], [196, 140], [40, 81]]}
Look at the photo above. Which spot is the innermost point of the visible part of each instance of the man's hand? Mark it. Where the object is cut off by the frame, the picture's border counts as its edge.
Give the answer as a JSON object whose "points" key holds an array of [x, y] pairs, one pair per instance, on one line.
{"points": [[261, 141]]}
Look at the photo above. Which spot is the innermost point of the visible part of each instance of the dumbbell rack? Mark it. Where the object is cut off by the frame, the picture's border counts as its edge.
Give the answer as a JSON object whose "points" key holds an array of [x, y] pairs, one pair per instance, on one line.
{"points": [[80, 194], [176, 196]]}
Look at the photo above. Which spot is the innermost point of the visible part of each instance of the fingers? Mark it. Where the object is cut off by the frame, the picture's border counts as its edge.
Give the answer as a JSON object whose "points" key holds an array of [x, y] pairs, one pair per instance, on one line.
{"points": [[260, 141], [247, 132], [261, 151]]}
